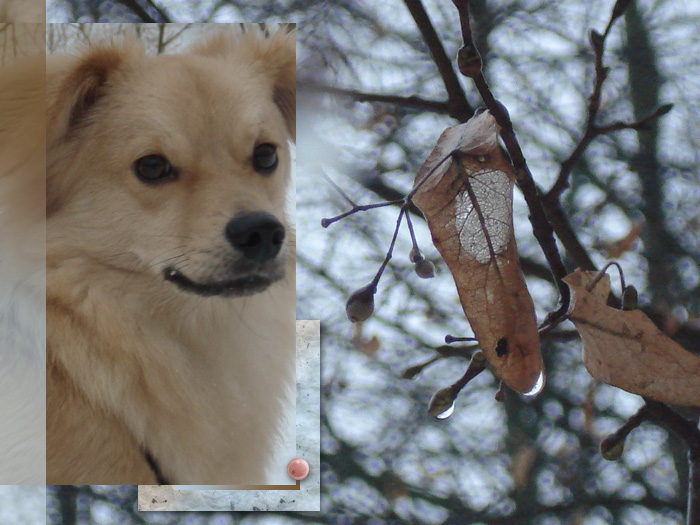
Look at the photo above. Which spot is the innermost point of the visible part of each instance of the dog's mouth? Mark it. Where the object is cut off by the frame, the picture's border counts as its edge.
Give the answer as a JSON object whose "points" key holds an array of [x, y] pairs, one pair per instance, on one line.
{"points": [[243, 286]]}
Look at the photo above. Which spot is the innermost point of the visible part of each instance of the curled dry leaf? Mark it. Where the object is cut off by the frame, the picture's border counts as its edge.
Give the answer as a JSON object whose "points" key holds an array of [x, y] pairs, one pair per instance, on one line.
{"points": [[465, 191], [626, 349]]}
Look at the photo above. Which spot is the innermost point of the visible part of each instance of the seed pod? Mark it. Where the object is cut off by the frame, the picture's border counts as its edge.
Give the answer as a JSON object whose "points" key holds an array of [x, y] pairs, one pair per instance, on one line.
{"points": [[611, 447], [629, 298], [412, 372], [425, 269], [360, 305], [597, 40], [619, 9], [442, 403], [415, 255], [468, 61]]}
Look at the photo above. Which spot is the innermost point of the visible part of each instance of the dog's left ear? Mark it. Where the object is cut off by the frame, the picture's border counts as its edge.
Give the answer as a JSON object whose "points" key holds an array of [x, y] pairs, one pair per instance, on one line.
{"points": [[272, 56], [282, 57]]}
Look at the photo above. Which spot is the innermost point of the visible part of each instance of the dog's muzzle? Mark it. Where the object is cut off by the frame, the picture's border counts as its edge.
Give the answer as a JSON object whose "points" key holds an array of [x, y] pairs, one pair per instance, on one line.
{"points": [[257, 239]]}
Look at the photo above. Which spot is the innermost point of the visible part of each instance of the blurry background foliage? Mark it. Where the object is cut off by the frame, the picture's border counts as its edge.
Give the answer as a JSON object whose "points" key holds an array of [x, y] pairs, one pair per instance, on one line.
{"points": [[634, 196]]}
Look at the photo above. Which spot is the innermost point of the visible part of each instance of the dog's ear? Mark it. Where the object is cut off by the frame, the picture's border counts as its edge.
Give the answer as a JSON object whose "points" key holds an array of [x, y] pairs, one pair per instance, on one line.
{"points": [[273, 56], [75, 85], [280, 55]]}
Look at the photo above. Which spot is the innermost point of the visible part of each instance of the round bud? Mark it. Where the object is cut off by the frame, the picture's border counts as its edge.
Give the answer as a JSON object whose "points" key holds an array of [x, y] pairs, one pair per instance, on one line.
{"points": [[412, 372], [360, 305], [442, 403], [469, 61], [629, 298], [425, 269], [415, 255], [611, 447]]}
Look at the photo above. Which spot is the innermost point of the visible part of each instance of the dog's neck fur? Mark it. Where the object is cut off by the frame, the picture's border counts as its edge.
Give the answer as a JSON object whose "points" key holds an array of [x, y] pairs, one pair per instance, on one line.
{"points": [[201, 331]]}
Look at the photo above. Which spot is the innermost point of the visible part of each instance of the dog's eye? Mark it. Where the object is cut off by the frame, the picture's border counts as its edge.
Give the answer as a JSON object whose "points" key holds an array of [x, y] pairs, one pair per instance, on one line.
{"points": [[153, 168], [265, 158]]}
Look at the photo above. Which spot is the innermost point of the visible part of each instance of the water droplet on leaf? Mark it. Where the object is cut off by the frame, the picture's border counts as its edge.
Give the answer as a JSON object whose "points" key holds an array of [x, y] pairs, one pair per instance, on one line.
{"points": [[537, 387]]}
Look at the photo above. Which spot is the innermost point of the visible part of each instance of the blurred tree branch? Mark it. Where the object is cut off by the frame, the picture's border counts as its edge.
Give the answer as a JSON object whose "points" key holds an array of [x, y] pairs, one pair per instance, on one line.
{"points": [[457, 103], [525, 70]]}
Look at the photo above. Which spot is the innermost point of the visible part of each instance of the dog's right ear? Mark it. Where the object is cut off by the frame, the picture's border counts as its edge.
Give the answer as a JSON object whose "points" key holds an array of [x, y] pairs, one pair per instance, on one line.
{"points": [[74, 86], [272, 56]]}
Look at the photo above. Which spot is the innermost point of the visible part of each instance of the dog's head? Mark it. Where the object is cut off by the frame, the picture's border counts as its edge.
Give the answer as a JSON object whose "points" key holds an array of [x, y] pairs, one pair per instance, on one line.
{"points": [[176, 166]]}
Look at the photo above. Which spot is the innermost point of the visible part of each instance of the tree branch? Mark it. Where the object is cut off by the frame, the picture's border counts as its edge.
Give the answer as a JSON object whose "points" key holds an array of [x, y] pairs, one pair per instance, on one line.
{"points": [[470, 65], [412, 102], [138, 11], [592, 130], [458, 105]]}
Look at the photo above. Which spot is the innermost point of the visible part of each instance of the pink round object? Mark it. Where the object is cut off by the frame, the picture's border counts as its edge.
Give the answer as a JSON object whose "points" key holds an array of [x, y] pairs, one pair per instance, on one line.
{"points": [[298, 469]]}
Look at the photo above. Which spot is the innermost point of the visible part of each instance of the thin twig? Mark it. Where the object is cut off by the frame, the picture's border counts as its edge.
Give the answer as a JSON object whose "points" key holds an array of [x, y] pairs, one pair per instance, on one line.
{"points": [[165, 17], [411, 232], [592, 130], [682, 427], [411, 102], [139, 11], [390, 251], [611, 447], [476, 366], [551, 201], [406, 203], [327, 222], [600, 274], [590, 133], [688, 431], [338, 189], [449, 339], [693, 486], [458, 105], [637, 125]]}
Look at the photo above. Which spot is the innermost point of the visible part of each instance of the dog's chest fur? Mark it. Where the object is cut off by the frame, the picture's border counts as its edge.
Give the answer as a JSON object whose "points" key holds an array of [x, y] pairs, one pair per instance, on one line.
{"points": [[199, 384]]}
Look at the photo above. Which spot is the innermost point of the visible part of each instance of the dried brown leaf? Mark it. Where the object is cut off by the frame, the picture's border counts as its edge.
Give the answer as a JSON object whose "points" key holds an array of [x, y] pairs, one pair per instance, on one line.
{"points": [[467, 200], [626, 350]]}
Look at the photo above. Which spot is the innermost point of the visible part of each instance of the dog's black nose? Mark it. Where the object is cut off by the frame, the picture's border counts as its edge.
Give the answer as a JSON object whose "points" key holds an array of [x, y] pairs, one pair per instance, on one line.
{"points": [[258, 235]]}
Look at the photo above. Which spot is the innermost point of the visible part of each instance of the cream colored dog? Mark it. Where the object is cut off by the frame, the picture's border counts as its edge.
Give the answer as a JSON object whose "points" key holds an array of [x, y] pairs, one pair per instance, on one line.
{"points": [[170, 261]]}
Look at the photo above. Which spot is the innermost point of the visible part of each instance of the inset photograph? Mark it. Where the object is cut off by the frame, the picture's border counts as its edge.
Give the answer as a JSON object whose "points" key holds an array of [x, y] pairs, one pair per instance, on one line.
{"points": [[149, 11], [22, 254], [170, 253], [300, 487]]}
